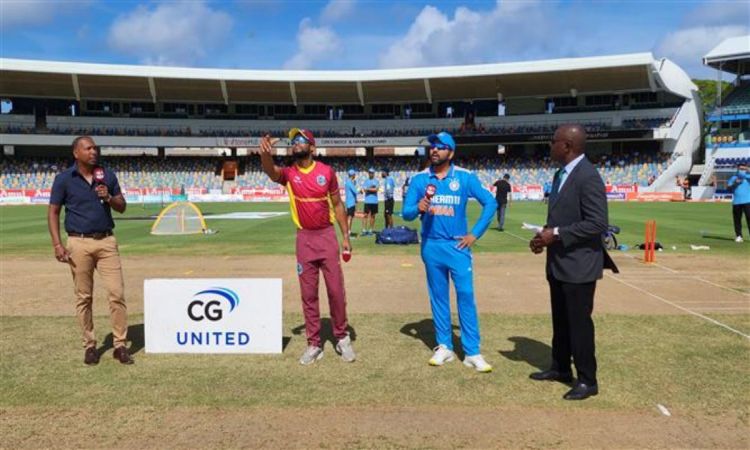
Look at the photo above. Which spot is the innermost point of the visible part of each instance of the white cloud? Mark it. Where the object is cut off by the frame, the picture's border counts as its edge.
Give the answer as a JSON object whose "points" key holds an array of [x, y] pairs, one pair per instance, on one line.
{"points": [[337, 9], [512, 29], [686, 47], [314, 44], [180, 33]]}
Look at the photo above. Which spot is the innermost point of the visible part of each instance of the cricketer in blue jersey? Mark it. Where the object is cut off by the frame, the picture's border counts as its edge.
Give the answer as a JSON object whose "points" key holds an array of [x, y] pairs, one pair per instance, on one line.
{"points": [[739, 186], [439, 195], [350, 191], [370, 188], [389, 188]]}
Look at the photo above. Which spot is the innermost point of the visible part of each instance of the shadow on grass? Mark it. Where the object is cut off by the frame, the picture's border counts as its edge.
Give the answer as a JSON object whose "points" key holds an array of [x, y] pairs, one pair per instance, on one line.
{"points": [[424, 330], [326, 332], [534, 353], [135, 336]]}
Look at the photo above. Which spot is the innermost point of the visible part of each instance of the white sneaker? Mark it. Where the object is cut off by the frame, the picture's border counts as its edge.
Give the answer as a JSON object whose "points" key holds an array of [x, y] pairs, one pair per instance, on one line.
{"points": [[312, 354], [442, 355], [478, 363], [345, 349], [739, 239]]}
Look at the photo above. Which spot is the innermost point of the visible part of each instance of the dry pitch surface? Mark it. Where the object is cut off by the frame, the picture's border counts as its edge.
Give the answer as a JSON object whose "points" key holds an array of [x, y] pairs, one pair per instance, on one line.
{"points": [[510, 284]]}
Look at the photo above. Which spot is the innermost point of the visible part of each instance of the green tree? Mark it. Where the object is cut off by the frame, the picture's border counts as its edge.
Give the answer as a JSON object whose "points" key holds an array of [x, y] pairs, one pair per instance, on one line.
{"points": [[707, 89]]}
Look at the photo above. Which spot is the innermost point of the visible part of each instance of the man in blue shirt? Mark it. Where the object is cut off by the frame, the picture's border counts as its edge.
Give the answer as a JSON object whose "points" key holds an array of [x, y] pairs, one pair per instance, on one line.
{"points": [[739, 184], [350, 189], [439, 195], [389, 187], [90, 193], [370, 189]]}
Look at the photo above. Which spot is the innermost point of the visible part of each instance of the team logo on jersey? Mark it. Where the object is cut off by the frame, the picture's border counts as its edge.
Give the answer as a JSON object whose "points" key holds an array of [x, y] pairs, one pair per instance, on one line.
{"points": [[321, 180], [455, 185]]}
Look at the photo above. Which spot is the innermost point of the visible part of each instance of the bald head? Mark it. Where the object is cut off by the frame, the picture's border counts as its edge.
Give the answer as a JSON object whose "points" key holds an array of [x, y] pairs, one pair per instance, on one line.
{"points": [[568, 143], [576, 135]]}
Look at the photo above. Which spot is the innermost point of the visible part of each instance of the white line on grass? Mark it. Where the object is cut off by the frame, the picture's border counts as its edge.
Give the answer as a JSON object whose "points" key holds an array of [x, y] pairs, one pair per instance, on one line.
{"points": [[517, 236], [718, 302], [727, 308], [697, 314], [695, 277]]}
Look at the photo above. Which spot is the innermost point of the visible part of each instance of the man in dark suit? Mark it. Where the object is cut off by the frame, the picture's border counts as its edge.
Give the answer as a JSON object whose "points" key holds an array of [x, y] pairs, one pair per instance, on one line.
{"points": [[576, 219]]}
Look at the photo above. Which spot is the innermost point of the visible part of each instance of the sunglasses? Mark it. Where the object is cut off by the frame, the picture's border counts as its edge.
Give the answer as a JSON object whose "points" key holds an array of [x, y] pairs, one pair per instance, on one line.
{"points": [[441, 146], [299, 139]]}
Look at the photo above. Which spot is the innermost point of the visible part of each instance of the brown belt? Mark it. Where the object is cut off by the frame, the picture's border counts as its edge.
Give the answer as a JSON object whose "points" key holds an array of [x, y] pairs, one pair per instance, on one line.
{"points": [[101, 235]]}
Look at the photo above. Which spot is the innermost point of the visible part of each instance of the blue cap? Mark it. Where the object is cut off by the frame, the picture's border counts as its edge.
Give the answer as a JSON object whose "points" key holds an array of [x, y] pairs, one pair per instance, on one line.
{"points": [[352, 172], [371, 170], [443, 138]]}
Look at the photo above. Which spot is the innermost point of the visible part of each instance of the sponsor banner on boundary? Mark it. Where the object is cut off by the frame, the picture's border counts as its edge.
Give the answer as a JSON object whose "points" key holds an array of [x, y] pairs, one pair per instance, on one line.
{"points": [[247, 194], [221, 315], [616, 196], [655, 196], [525, 192]]}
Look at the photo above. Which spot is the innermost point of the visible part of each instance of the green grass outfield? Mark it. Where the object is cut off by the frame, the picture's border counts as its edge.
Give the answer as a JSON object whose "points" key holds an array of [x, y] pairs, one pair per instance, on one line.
{"points": [[23, 230], [689, 365], [699, 371]]}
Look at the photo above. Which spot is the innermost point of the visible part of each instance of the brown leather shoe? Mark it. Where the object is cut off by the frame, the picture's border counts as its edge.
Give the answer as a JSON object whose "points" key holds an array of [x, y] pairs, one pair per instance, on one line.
{"points": [[121, 354], [91, 356]]}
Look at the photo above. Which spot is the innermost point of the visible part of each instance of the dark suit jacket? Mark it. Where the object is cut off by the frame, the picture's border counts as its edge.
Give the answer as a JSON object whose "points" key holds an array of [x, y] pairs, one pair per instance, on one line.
{"points": [[580, 212]]}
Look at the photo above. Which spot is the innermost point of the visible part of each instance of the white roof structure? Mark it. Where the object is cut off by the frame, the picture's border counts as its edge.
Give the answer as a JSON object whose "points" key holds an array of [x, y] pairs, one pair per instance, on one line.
{"points": [[602, 74], [730, 55]]}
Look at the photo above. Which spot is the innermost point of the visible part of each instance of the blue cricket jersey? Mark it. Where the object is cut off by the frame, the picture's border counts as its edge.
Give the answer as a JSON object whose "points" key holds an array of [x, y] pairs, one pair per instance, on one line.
{"points": [[390, 187], [350, 189], [371, 199], [446, 219], [740, 192]]}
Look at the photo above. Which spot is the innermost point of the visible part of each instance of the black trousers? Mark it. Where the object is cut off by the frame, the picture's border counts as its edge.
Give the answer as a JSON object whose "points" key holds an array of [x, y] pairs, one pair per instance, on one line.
{"points": [[737, 211], [573, 328]]}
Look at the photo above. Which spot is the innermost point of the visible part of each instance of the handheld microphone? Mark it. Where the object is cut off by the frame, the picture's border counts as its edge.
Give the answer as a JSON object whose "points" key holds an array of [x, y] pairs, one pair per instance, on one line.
{"points": [[99, 178], [430, 191]]}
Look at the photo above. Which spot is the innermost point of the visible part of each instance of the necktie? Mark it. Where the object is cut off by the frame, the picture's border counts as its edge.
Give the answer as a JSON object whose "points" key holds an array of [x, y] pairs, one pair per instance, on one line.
{"points": [[563, 176], [555, 183]]}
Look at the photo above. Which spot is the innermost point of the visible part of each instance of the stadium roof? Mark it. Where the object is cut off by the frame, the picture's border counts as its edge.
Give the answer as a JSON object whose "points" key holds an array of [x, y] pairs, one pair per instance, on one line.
{"points": [[54, 79], [731, 55]]}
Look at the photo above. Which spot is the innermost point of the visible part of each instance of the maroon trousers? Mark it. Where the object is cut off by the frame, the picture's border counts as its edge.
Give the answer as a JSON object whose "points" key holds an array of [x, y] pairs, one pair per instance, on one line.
{"points": [[318, 251]]}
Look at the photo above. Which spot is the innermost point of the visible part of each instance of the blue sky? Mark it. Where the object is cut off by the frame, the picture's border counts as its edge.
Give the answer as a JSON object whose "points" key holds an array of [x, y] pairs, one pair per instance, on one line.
{"points": [[358, 34]]}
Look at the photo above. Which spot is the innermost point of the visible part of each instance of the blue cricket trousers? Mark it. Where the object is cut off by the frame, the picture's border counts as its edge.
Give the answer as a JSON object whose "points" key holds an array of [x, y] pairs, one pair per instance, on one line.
{"points": [[442, 259]]}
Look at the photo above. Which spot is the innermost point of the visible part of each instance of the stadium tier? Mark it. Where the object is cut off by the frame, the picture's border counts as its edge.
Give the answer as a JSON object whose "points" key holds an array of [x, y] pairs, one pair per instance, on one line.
{"points": [[738, 101], [728, 142], [639, 110], [628, 167], [508, 125]]}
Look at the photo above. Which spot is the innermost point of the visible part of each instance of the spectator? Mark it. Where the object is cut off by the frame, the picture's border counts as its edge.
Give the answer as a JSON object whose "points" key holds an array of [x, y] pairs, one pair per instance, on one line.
{"points": [[503, 196]]}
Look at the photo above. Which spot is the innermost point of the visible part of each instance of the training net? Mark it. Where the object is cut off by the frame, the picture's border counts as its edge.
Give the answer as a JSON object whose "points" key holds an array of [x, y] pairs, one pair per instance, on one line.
{"points": [[179, 218]]}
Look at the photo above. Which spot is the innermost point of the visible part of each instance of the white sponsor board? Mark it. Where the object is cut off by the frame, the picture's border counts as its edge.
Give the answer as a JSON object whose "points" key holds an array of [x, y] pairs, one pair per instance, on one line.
{"points": [[213, 315]]}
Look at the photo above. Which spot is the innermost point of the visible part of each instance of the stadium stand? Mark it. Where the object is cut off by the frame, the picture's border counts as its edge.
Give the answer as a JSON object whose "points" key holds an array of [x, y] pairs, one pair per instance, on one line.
{"points": [[638, 110], [738, 101], [729, 140], [527, 124], [627, 167]]}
